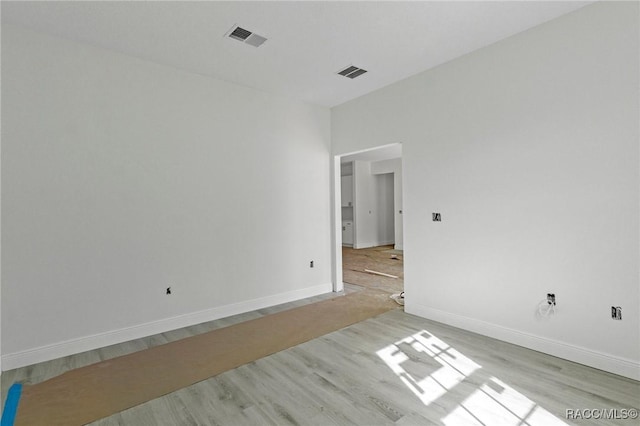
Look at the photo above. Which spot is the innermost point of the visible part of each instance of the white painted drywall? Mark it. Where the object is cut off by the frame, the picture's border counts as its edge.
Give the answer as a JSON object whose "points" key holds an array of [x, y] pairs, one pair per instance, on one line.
{"points": [[364, 206], [374, 203], [1, 370], [383, 184], [363, 224], [529, 150], [394, 166], [336, 225], [121, 177]]}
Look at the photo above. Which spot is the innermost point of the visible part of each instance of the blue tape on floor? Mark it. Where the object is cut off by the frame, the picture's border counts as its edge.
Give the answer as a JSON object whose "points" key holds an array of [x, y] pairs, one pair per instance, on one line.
{"points": [[11, 405]]}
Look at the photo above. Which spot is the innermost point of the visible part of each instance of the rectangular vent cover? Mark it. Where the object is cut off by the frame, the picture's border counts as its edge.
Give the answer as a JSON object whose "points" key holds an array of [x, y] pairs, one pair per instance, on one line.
{"points": [[352, 72], [246, 36]]}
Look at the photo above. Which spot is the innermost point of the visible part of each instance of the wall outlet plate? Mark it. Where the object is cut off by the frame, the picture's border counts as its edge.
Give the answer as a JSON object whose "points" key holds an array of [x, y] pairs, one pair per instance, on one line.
{"points": [[616, 313], [551, 298]]}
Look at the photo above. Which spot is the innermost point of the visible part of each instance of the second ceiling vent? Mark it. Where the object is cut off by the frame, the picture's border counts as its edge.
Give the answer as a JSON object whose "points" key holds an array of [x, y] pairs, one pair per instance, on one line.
{"points": [[246, 36], [352, 72]]}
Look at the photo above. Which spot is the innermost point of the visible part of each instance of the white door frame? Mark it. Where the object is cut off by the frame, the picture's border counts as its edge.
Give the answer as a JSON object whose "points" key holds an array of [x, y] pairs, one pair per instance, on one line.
{"points": [[336, 223], [336, 217]]}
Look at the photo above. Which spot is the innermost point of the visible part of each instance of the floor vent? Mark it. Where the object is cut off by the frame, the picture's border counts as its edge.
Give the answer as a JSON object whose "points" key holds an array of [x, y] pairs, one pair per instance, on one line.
{"points": [[351, 72], [246, 36]]}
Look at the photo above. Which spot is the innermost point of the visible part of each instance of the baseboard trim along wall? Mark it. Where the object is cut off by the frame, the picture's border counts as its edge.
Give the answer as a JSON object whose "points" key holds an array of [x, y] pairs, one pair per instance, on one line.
{"points": [[602, 361], [362, 245], [96, 341]]}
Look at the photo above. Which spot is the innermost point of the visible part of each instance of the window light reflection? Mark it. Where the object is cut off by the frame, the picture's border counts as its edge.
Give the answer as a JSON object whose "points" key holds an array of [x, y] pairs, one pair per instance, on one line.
{"points": [[493, 403]]}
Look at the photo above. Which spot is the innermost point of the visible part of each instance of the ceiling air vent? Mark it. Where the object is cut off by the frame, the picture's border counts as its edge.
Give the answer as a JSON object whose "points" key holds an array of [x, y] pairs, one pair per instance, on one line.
{"points": [[246, 36], [352, 72]]}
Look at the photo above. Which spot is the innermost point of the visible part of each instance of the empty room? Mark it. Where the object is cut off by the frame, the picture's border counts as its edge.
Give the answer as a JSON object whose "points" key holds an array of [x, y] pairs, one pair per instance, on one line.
{"points": [[180, 181]]}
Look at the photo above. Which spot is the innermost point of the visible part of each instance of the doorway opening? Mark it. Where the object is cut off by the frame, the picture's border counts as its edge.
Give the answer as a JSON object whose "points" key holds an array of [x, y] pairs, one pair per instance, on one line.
{"points": [[368, 217]]}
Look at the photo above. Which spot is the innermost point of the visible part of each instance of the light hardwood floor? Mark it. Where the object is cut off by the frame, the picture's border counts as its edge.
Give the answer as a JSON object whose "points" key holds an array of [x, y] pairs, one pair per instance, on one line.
{"points": [[392, 369]]}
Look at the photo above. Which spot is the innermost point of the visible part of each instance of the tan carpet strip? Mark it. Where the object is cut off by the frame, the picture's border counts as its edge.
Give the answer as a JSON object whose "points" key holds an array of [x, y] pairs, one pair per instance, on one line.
{"points": [[90, 393]]}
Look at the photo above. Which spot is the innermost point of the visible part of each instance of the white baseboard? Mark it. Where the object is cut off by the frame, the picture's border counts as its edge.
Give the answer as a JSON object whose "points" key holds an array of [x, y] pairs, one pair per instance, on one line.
{"points": [[96, 341], [369, 244], [603, 361], [398, 247]]}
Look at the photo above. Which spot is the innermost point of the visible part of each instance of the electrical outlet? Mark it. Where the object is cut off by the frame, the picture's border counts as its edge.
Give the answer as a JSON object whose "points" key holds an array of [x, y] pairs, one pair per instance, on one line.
{"points": [[551, 298], [168, 290], [616, 313], [311, 264], [436, 217]]}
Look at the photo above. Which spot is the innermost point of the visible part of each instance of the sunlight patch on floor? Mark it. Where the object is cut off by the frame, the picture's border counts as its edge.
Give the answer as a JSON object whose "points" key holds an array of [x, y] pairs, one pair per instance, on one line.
{"points": [[493, 403], [454, 366]]}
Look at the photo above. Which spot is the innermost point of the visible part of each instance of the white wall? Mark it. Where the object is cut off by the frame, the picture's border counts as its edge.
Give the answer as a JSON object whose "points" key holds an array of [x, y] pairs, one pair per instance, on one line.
{"points": [[383, 184], [121, 177], [1, 370], [363, 199], [529, 150], [373, 204], [377, 194], [393, 166]]}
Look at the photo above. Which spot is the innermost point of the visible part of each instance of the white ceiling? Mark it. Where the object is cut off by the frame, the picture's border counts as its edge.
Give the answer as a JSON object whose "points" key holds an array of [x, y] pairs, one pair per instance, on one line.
{"points": [[308, 42]]}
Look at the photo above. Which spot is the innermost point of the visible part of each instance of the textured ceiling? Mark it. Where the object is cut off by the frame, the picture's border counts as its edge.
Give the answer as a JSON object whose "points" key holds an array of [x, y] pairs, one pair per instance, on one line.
{"points": [[308, 42]]}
